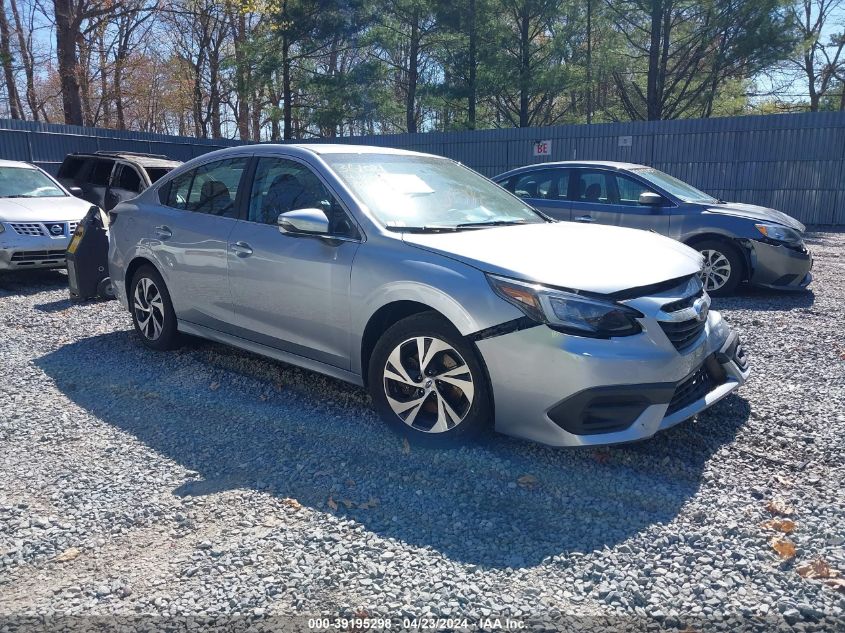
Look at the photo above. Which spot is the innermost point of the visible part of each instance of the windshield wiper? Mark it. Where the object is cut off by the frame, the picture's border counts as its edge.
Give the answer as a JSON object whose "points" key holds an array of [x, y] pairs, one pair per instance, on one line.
{"points": [[469, 225], [424, 229]]}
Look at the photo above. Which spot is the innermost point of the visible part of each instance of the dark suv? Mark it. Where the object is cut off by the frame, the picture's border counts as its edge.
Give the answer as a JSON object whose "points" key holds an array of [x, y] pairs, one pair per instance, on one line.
{"points": [[107, 178]]}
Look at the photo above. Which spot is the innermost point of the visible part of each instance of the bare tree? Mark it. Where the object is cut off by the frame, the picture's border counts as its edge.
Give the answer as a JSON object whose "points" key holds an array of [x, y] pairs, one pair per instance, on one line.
{"points": [[817, 60]]}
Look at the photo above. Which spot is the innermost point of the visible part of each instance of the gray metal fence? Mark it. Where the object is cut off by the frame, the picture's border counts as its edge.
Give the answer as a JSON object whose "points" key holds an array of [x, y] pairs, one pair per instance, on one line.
{"points": [[793, 162], [46, 145]]}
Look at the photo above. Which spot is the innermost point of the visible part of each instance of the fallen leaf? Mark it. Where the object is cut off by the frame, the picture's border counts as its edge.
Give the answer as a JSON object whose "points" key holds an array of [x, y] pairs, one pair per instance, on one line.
{"points": [[406, 446], [348, 503], [350, 483], [780, 525], [602, 457], [293, 504], [214, 386], [783, 546], [332, 503], [779, 506], [68, 555], [527, 481], [836, 583], [817, 569], [372, 503]]}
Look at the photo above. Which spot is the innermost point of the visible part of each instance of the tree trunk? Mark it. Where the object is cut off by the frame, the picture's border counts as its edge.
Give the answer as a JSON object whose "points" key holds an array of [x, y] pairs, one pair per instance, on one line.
{"points": [[15, 109], [653, 96], [242, 78], [67, 33], [287, 92], [26, 59], [413, 74], [524, 65], [472, 87]]}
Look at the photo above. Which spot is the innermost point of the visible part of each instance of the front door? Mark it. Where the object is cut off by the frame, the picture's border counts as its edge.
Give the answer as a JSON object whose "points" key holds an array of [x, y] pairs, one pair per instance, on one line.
{"points": [[610, 197], [544, 189], [125, 184], [292, 292]]}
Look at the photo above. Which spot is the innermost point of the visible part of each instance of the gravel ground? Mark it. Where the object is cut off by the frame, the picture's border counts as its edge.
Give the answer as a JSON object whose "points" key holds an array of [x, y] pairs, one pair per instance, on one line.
{"points": [[209, 482]]}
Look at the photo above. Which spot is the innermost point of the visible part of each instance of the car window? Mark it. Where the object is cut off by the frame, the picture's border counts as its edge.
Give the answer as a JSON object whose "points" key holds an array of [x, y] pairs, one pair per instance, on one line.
{"points": [[211, 188], [128, 179], [101, 172], [71, 167], [545, 184], [593, 186], [25, 182], [629, 190], [282, 185], [155, 173]]}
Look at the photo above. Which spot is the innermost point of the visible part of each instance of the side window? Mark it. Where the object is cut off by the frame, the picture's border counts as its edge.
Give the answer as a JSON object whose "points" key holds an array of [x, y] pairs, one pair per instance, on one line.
{"points": [[101, 173], [593, 186], [282, 185], [629, 190], [211, 188], [536, 184], [71, 167], [128, 179]]}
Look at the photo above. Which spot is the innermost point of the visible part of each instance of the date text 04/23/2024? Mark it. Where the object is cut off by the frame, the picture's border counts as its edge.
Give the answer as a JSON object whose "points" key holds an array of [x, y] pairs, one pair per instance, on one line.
{"points": [[424, 624]]}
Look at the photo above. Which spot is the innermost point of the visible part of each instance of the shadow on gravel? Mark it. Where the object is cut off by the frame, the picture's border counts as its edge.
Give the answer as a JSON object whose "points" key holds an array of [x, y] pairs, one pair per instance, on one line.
{"points": [[751, 298], [313, 438], [30, 282]]}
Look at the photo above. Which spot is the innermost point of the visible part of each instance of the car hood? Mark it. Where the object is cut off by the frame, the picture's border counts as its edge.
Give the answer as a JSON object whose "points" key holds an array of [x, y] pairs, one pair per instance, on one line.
{"points": [[600, 259], [66, 209], [753, 212]]}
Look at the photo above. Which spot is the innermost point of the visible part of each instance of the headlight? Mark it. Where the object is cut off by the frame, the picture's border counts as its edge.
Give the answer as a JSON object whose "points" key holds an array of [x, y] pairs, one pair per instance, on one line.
{"points": [[779, 233], [568, 312]]}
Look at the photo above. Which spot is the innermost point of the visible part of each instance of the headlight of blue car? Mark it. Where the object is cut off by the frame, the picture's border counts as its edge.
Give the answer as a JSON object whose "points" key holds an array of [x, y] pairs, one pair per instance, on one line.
{"points": [[779, 233]]}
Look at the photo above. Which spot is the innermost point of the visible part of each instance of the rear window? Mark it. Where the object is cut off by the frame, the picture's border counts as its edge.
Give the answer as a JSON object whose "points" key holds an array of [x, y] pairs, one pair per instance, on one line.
{"points": [[71, 167]]}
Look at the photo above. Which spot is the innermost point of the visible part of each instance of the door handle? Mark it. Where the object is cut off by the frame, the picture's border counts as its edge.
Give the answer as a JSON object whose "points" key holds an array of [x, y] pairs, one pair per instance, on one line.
{"points": [[585, 218], [163, 232], [241, 249]]}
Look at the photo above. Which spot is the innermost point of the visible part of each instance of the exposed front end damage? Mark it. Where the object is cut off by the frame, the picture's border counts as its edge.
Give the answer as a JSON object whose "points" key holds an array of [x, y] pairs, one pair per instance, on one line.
{"points": [[780, 266]]}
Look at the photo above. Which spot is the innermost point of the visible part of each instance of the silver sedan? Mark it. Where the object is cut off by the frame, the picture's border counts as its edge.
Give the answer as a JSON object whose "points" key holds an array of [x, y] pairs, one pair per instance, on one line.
{"points": [[455, 303]]}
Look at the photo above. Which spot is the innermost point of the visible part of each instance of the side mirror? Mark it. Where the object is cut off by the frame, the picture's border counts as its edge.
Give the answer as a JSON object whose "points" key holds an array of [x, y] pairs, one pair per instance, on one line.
{"points": [[304, 222], [651, 199], [75, 191]]}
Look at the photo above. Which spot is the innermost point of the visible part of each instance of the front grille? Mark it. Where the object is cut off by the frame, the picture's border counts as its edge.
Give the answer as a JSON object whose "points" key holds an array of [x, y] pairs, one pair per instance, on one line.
{"points": [[693, 388], [29, 258], [680, 304], [28, 228], [71, 227], [683, 333]]}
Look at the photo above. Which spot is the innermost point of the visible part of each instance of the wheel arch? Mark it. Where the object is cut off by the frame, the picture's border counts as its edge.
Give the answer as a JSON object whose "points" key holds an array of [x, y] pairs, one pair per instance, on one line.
{"points": [[132, 268], [737, 244]]}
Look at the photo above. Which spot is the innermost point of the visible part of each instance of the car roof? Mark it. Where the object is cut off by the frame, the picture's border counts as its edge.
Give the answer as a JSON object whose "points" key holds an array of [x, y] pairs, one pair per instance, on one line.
{"points": [[17, 163], [144, 160], [609, 164], [343, 148]]}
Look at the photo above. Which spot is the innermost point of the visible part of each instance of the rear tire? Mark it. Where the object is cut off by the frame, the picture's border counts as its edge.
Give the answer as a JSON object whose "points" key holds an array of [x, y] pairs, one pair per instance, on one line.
{"points": [[442, 400], [724, 267], [152, 310]]}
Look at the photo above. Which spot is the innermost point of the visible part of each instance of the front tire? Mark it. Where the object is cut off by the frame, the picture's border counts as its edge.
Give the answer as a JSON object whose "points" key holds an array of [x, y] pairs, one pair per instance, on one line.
{"points": [[428, 383], [724, 267], [152, 310]]}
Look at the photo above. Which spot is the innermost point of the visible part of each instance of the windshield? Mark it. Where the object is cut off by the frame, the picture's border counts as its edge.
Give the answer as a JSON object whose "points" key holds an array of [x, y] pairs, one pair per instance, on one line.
{"points": [[677, 188], [21, 182], [428, 193]]}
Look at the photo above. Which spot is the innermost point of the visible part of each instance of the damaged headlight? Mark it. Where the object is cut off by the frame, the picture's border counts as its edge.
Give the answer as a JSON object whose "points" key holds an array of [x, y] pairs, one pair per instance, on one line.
{"points": [[779, 233], [566, 311]]}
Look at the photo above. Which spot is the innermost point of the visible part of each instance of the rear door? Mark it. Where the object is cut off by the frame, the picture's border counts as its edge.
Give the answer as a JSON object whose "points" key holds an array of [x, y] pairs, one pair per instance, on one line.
{"points": [[126, 183], [611, 197], [189, 232], [544, 189]]}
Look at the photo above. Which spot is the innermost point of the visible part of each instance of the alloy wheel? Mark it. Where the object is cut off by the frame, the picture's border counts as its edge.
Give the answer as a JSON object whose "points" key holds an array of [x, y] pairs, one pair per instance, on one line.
{"points": [[428, 384], [717, 270], [149, 308]]}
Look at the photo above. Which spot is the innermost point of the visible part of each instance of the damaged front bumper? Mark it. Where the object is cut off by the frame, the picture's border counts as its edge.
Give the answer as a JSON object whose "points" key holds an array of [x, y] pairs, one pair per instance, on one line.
{"points": [[570, 391], [779, 266]]}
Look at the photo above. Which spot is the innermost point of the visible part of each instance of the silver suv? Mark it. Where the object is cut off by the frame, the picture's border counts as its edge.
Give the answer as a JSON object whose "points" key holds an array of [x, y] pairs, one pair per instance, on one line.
{"points": [[456, 304]]}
